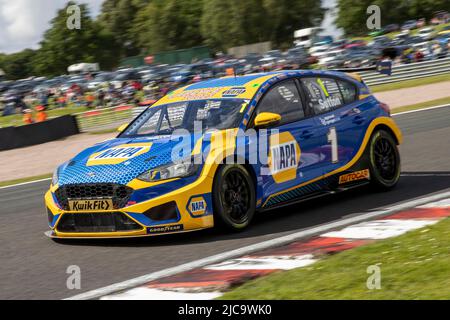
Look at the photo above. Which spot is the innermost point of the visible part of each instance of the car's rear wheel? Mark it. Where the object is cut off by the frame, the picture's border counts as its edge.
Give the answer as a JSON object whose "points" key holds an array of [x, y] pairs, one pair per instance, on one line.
{"points": [[384, 161], [233, 197]]}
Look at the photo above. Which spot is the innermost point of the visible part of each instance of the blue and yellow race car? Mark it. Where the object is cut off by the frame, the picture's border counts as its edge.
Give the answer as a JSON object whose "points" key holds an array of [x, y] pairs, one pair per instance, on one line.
{"points": [[217, 152]]}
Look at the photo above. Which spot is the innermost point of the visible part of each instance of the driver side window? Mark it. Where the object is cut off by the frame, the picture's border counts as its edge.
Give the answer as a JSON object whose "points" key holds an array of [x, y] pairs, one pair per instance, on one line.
{"points": [[283, 99]]}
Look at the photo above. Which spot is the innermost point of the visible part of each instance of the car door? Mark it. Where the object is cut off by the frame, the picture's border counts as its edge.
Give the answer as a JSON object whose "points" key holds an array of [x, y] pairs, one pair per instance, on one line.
{"points": [[339, 117], [291, 148]]}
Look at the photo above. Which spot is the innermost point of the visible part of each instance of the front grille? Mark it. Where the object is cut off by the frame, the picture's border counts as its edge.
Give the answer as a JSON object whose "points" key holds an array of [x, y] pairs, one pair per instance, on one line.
{"points": [[119, 194], [96, 222]]}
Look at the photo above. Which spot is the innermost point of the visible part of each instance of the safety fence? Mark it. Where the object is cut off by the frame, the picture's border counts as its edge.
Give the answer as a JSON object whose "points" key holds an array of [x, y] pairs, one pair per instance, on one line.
{"points": [[408, 72], [106, 119]]}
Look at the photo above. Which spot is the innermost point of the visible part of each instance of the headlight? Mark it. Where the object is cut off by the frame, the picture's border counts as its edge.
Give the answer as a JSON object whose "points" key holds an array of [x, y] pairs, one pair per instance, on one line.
{"points": [[170, 171], [55, 177]]}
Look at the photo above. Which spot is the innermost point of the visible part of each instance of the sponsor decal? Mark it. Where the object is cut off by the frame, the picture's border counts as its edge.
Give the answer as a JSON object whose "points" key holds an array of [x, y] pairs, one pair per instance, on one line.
{"points": [[331, 119], [330, 103], [196, 94], [354, 176], [284, 157], [91, 205], [234, 92], [197, 206], [118, 154], [165, 229]]}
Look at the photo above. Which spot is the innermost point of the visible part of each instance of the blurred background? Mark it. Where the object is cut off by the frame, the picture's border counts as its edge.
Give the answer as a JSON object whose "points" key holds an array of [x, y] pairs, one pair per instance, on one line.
{"points": [[129, 53]]}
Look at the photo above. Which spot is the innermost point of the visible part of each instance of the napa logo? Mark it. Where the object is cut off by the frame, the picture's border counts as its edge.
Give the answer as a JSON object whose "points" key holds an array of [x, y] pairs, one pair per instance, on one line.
{"points": [[118, 154], [284, 157], [197, 206]]}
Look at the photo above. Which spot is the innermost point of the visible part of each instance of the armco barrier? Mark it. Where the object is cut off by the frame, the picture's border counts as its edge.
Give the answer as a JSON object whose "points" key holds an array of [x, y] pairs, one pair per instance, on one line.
{"points": [[36, 133], [408, 72]]}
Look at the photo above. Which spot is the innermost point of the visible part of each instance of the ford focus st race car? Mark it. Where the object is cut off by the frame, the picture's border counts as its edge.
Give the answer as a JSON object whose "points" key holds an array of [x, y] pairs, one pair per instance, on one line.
{"points": [[217, 152]]}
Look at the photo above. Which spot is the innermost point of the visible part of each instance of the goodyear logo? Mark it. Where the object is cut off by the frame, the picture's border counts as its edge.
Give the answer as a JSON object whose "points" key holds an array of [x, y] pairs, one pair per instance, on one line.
{"points": [[354, 176], [197, 206], [118, 154], [165, 229]]}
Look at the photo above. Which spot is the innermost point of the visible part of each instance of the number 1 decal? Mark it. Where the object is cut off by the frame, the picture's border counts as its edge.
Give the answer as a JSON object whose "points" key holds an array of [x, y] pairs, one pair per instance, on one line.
{"points": [[332, 138]]}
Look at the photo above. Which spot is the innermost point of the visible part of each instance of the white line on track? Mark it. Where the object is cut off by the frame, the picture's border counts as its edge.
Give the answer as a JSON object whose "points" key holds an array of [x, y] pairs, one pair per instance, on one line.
{"points": [[431, 174], [25, 183], [95, 294], [420, 110]]}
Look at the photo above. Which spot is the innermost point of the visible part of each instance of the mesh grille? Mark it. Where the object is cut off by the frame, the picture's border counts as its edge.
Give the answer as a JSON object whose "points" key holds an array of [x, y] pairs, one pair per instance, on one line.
{"points": [[118, 193], [96, 222]]}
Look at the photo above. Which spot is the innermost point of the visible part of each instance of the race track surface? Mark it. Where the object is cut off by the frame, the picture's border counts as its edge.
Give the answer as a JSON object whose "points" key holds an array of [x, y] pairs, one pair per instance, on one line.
{"points": [[34, 267]]}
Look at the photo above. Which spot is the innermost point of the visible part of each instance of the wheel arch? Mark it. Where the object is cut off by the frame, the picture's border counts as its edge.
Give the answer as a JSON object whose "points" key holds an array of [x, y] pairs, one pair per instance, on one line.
{"points": [[395, 133]]}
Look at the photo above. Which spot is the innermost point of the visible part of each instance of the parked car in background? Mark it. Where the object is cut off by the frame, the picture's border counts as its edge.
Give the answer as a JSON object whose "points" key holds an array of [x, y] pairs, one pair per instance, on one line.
{"points": [[421, 23], [123, 76], [409, 25], [100, 80], [298, 56], [427, 33], [355, 43], [332, 59], [445, 30], [79, 81], [440, 17], [380, 42]]}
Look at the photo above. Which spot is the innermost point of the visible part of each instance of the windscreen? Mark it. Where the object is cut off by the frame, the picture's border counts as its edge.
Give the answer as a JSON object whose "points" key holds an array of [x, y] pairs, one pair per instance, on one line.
{"points": [[211, 114]]}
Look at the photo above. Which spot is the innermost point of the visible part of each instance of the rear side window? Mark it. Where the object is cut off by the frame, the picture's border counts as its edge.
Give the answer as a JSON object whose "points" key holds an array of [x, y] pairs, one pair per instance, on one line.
{"points": [[322, 94], [283, 99], [348, 90]]}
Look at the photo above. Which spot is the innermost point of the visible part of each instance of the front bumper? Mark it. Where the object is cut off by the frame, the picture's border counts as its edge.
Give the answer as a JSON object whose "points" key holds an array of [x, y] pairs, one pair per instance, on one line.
{"points": [[191, 208]]}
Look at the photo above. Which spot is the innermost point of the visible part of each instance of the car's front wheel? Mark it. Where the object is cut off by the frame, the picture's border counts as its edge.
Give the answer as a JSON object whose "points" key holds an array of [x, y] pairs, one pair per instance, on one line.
{"points": [[233, 197], [384, 160]]}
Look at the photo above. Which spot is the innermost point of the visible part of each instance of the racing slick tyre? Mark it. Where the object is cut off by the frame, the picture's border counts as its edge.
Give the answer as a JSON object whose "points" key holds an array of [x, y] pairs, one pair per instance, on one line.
{"points": [[233, 197], [384, 161]]}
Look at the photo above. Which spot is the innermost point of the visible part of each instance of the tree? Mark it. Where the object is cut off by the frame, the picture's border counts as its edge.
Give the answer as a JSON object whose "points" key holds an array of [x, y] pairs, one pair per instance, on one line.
{"points": [[117, 18], [237, 22], [17, 65], [286, 16], [62, 47], [352, 16], [169, 25], [232, 23]]}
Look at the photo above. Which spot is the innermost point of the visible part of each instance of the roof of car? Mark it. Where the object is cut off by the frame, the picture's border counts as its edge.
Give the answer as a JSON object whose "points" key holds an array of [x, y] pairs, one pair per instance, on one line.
{"points": [[239, 87]]}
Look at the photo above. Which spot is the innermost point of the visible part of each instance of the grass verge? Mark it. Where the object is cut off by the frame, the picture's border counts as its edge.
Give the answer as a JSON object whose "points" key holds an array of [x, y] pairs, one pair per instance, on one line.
{"points": [[22, 180], [415, 265], [423, 105], [410, 83]]}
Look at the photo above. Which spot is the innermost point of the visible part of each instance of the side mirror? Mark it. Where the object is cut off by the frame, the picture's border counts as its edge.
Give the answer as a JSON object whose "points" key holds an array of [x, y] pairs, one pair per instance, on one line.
{"points": [[267, 119], [122, 127]]}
